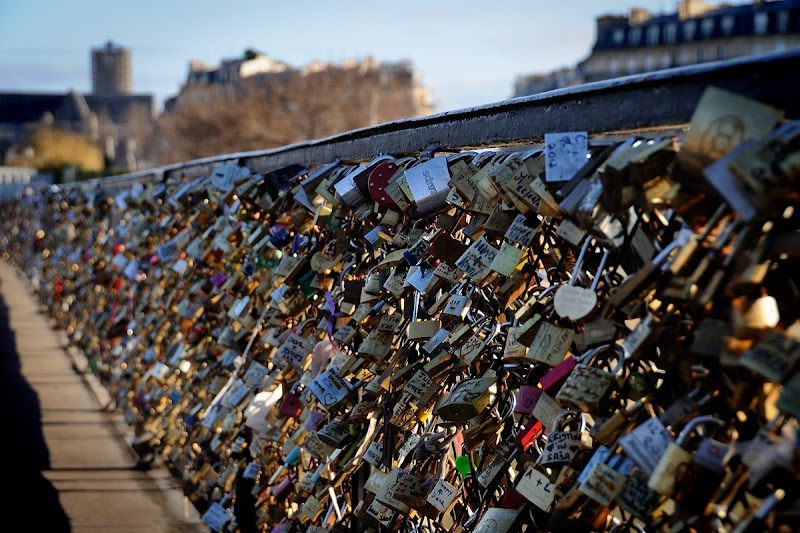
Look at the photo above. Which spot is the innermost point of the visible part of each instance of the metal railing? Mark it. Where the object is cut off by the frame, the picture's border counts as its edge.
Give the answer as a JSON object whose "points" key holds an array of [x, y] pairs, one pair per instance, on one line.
{"points": [[645, 104]]}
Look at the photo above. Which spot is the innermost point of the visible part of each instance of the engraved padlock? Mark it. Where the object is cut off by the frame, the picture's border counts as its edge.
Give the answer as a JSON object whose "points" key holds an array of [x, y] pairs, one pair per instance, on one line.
{"points": [[458, 305], [604, 476], [665, 474], [562, 443], [483, 331], [587, 385], [466, 400]]}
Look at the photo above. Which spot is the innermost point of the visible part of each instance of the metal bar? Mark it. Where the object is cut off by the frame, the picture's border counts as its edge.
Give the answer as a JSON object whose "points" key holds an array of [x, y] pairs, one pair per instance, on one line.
{"points": [[661, 100]]}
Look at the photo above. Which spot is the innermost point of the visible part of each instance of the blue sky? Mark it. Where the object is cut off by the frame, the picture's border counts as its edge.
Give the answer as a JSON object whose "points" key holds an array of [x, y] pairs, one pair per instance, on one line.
{"points": [[467, 52]]}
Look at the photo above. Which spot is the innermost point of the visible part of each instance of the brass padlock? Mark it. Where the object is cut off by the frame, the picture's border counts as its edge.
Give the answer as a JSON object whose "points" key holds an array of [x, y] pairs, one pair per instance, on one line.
{"points": [[586, 386], [466, 400]]}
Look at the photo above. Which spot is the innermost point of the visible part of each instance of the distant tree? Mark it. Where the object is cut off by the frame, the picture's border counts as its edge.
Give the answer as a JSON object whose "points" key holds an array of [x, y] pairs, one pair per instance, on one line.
{"points": [[275, 109], [50, 148]]}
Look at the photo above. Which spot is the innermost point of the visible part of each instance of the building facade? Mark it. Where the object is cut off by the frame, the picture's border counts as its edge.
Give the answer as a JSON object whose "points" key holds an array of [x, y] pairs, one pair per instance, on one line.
{"points": [[111, 115], [112, 71], [397, 85], [697, 32]]}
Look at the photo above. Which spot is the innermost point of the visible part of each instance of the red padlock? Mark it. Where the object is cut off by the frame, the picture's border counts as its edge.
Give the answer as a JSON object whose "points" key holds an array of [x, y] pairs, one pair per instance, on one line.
{"points": [[513, 499], [532, 431], [556, 376], [291, 406]]}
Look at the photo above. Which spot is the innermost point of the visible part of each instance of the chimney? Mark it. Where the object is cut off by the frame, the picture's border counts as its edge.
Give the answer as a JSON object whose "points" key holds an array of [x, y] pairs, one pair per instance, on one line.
{"points": [[639, 15], [693, 8]]}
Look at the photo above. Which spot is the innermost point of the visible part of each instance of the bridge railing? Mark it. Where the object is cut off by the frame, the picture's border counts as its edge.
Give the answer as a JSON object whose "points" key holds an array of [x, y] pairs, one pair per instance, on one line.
{"points": [[645, 104]]}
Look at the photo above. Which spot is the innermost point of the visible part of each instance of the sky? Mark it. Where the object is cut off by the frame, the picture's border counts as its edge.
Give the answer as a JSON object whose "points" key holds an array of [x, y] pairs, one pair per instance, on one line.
{"points": [[467, 52]]}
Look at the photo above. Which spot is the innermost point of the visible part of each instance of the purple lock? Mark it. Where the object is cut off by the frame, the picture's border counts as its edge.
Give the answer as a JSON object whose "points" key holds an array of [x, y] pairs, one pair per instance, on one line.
{"points": [[219, 279]]}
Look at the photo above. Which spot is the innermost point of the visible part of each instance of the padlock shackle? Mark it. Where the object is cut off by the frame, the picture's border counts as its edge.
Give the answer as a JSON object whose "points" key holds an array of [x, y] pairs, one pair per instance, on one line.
{"points": [[600, 268], [588, 356], [571, 414], [579, 262], [693, 424], [461, 155]]}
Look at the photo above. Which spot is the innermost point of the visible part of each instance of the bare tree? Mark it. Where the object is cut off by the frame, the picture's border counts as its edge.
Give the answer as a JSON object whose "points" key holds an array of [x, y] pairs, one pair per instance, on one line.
{"points": [[274, 109]]}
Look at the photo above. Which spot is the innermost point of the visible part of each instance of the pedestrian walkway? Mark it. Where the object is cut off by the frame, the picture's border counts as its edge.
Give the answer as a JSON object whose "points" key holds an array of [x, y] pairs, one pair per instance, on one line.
{"points": [[67, 463]]}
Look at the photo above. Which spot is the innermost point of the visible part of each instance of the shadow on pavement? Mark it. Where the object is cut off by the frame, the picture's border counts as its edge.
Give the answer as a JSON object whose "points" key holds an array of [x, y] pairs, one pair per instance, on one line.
{"points": [[29, 498]]}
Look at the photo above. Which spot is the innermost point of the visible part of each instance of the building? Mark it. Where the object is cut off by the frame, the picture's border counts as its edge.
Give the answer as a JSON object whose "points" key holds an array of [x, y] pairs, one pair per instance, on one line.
{"points": [[234, 70], [111, 115], [398, 84], [697, 32], [539, 83], [111, 70], [111, 120]]}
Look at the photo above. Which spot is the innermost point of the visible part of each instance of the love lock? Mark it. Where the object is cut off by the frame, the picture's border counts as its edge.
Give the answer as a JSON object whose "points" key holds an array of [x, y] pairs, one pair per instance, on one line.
{"points": [[562, 445], [665, 474], [587, 385], [378, 180], [574, 302], [467, 399]]}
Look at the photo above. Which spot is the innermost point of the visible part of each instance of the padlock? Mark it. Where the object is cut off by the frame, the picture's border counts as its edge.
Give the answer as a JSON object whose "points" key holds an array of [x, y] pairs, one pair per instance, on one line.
{"points": [[497, 520], [551, 344], [575, 302], [467, 399], [701, 479], [483, 331], [563, 445], [665, 474], [603, 480], [586, 386], [458, 305], [419, 330]]}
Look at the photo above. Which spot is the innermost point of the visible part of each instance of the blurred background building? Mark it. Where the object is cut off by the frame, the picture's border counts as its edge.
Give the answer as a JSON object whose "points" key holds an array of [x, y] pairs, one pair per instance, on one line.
{"points": [[94, 132], [111, 70], [696, 32]]}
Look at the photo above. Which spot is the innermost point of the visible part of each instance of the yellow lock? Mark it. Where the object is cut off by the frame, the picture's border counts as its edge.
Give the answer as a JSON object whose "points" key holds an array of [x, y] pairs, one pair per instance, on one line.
{"points": [[666, 472]]}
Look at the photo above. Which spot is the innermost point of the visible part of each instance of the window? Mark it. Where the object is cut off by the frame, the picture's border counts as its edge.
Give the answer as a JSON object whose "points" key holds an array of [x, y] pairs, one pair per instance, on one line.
{"points": [[649, 63], [631, 65], [783, 21], [689, 28], [666, 61], [634, 36], [701, 55], [707, 25], [727, 23], [721, 52], [618, 36], [761, 22], [652, 34], [613, 67], [670, 33]]}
